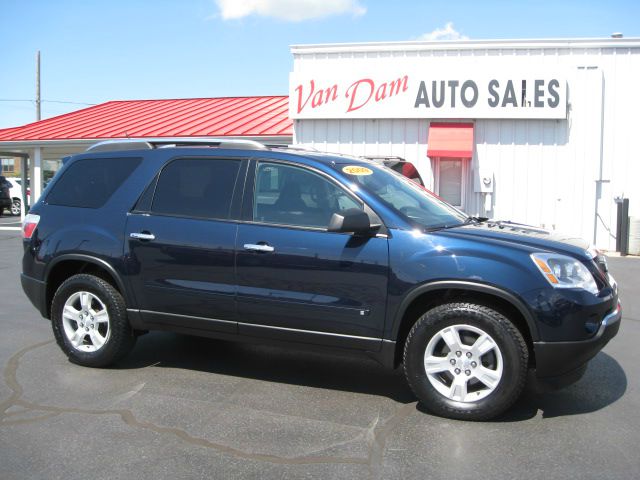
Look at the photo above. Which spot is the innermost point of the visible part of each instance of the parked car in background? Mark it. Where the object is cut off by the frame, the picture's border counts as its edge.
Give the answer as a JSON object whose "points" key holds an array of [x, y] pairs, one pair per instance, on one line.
{"points": [[16, 195], [5, 195], [400, 165]]}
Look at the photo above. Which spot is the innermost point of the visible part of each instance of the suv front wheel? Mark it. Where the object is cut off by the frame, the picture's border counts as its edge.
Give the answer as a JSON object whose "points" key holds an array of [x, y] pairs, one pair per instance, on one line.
{"points": [[89, 320], [465, 361]]}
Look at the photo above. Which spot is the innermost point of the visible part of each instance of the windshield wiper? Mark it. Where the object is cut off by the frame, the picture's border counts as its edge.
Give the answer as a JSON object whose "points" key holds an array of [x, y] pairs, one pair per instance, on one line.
{"points": [[471, 219], [442, 227]]}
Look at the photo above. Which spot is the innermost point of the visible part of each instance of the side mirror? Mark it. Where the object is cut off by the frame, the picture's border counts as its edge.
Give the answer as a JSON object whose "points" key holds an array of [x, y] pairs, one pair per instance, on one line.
{"points": [[352, 220]]}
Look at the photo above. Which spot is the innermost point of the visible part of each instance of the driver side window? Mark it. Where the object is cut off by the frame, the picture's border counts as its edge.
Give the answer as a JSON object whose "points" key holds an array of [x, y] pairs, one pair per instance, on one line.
{"points": [[287, 195]]}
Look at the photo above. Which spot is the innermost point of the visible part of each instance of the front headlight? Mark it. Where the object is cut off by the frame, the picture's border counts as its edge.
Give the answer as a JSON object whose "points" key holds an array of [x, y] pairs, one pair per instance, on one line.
{"points": [[562, 271]]}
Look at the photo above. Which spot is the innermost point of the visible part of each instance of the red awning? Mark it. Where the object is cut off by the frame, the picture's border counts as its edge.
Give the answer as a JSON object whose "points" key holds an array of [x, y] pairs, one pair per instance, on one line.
{"points": [[450, 140]]}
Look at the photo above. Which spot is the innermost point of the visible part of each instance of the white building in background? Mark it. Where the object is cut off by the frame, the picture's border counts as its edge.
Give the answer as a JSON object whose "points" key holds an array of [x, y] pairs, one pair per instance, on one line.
{"points": [[542, 132]]}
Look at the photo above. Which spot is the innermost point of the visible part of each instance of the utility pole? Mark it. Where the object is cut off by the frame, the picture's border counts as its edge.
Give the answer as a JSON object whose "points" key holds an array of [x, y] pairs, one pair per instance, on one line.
{"points": [[38, 116]]}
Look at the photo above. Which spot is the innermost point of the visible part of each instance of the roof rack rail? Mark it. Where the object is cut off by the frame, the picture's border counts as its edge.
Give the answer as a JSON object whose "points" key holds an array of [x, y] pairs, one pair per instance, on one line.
{"points": [[291, 147], [163, 142], [383, 157]]}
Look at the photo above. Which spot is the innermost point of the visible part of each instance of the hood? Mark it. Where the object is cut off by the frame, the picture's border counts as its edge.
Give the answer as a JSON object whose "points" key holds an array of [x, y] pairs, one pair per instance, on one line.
{"points": [[527, 235]]}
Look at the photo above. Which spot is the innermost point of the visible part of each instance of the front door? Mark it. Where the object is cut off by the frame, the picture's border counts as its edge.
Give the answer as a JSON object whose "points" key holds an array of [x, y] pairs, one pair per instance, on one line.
{"points": [[181, 245], [296, 281]]}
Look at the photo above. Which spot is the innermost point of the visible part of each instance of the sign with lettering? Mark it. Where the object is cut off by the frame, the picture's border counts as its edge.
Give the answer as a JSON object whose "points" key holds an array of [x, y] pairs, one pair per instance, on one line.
{"points": [[427, 95]]}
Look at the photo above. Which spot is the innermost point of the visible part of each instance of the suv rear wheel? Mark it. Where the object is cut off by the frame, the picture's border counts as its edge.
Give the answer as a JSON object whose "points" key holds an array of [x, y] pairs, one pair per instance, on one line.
{"points": [[465, 361], [89, 320]]}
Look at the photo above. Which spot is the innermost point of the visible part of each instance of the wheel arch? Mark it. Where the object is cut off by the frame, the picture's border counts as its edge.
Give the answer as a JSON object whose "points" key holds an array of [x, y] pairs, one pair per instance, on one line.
{"points": [[65, 266], [432, 294]]}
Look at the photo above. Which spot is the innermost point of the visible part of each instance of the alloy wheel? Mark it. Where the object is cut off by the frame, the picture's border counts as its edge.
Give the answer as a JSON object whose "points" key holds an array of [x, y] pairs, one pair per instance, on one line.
{"points": [[86, 322], [463, 363], [15, 207]]}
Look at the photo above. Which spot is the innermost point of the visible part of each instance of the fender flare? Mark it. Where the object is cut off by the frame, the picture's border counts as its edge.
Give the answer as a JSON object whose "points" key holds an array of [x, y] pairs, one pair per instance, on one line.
{"points": [[464, 285], [89, 259]]}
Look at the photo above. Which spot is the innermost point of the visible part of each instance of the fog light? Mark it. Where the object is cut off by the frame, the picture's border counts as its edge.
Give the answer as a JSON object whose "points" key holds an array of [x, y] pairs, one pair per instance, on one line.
{"points": [[591, 327]]}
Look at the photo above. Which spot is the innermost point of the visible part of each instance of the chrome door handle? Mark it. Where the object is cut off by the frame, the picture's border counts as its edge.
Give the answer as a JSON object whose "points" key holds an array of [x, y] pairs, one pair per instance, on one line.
{"points": [[142, 236], [258, 248]]}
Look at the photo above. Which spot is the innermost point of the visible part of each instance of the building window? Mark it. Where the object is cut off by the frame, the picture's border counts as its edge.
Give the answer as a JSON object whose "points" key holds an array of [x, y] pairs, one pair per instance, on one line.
{"points": [[450, 185], [8, 165]]}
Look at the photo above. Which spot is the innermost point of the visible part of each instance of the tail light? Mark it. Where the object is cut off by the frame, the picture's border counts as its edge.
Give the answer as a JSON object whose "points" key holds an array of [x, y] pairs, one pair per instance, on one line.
{"points": [[29, 225]]}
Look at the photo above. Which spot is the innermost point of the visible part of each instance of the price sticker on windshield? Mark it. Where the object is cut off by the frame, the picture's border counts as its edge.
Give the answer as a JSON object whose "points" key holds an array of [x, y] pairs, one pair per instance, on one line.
{"points": [[357, 170]]}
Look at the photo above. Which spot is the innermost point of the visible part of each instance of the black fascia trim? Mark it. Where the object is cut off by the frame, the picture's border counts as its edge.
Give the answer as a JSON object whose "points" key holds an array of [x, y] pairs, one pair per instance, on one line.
{"points": [[90, 259]]}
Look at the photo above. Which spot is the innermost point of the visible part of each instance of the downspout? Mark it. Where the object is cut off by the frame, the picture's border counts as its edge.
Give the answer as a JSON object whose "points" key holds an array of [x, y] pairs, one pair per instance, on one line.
{"points": [[599, 181]]}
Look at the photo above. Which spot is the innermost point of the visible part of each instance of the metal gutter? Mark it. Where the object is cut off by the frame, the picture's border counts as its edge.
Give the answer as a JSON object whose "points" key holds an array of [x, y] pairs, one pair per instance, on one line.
{"points": [[417, 45], [24, 144]]}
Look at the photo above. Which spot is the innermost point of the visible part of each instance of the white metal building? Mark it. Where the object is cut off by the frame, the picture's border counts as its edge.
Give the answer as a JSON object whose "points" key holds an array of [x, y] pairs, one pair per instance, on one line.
{"points": [[536, 131]]}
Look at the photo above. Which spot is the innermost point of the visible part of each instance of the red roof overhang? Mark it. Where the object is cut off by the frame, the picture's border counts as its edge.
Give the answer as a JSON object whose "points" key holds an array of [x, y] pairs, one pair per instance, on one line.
{"points": [[453, 140], [190, 117]]}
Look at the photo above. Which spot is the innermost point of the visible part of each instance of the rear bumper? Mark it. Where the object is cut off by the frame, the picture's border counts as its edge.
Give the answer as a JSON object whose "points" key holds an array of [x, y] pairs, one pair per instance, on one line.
{"points": [[561, 363], [36, 292]]}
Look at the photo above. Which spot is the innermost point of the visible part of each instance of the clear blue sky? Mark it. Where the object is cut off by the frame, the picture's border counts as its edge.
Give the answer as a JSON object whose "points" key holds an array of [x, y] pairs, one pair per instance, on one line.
{"points": [[132, 49]]}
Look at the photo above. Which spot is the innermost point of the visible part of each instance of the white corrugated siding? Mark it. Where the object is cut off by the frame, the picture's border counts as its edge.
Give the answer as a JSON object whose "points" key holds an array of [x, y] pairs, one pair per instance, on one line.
{"points": [[545, 170]]}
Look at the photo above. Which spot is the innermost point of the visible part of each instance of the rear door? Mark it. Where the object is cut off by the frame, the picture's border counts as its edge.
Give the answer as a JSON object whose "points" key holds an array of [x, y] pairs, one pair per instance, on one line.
{"points": [[296, 281], [181, 240]]}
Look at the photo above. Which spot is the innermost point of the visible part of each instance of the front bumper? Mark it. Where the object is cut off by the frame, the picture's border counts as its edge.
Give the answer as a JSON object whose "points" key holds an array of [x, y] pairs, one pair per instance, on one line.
{"points": [[561, 363]]}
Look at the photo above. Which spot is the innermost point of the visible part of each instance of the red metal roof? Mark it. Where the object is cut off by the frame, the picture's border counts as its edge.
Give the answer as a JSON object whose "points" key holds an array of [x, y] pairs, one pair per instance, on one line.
{"points": [[198, 117]]}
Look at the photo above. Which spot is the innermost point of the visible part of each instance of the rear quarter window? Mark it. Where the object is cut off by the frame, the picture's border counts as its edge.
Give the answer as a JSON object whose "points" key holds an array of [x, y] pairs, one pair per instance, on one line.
{"points": [[91, 182]]}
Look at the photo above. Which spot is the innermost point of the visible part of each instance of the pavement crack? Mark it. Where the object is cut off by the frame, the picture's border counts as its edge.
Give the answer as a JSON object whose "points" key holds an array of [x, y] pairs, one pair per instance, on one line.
{"points": [[377, 436], [127, 416], [127, 395], [23, 421]]}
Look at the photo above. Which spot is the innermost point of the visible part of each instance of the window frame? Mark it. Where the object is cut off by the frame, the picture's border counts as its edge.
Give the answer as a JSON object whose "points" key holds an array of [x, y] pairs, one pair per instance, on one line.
{"points": [[250, 188], [464, 172], [6, 163], [236, 196]]}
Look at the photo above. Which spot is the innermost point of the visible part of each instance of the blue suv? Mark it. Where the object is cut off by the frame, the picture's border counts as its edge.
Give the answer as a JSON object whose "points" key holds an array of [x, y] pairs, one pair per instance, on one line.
{"points": [[240, 241]]}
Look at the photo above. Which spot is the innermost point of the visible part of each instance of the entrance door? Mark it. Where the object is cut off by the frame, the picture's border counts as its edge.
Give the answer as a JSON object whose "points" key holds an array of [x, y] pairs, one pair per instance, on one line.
{"points": [[296, 280]]}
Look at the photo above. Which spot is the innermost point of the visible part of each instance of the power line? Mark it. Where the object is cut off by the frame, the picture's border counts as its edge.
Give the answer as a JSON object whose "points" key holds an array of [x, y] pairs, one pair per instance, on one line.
{"points": [[72, 103], [48, 101]]}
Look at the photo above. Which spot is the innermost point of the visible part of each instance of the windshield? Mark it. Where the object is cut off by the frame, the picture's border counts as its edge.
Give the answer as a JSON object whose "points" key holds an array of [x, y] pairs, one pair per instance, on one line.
{"points": [[405, 197]]}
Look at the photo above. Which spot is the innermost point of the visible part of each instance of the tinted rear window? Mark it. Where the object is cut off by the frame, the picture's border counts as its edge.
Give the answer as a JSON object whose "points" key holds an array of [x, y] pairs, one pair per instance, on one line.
{"points": [[90, 183], [195, 187]]}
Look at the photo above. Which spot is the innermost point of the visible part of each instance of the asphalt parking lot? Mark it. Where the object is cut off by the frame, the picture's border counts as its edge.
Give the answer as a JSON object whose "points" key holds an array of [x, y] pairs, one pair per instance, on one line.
{"points": [[9, 221], [184, 407]]}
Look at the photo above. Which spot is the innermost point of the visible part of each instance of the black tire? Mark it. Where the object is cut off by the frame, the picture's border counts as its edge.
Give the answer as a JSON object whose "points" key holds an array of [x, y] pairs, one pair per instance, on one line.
{"points": [[510, 346], [120, 339]]}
